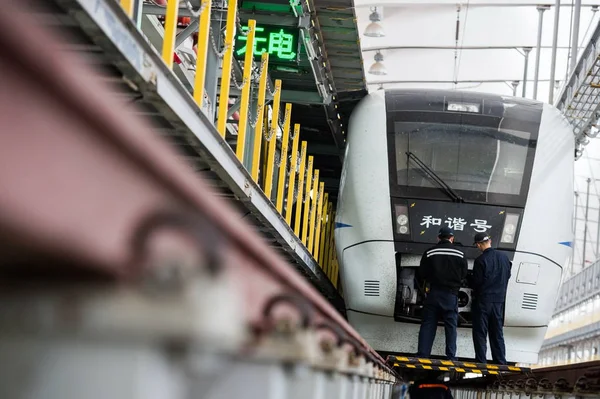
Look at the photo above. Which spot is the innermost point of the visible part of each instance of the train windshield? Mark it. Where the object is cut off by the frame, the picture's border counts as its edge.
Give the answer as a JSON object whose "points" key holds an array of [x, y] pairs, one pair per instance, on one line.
{"points": [[481, 163]]}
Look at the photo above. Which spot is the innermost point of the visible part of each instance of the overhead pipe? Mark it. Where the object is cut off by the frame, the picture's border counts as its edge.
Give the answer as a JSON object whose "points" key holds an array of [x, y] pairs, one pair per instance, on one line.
{"points": [[554, 46], [575, 36], [526, 51], [541, 10]]}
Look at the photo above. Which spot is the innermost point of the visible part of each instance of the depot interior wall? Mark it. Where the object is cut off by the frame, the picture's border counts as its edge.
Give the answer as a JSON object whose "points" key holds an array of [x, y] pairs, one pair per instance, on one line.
{"points": [[411, 23]]}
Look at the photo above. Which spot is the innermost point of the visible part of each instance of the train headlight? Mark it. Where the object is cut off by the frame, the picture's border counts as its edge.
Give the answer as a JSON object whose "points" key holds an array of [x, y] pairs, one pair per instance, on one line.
{"points": [[510, 228], [463, 107], [402, 220], [402, 225]]}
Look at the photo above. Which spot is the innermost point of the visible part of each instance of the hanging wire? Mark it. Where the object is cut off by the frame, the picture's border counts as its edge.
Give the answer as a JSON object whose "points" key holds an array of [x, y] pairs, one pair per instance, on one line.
{"points": [[462, 40], [455, 74]]}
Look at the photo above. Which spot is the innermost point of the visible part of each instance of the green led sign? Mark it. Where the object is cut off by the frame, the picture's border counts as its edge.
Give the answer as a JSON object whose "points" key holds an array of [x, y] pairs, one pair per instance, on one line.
{"points": [[280, 42]]}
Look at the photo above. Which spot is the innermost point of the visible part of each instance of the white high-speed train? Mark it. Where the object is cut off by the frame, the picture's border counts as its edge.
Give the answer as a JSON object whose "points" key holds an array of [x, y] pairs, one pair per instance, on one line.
{"points": [[417, 160]]}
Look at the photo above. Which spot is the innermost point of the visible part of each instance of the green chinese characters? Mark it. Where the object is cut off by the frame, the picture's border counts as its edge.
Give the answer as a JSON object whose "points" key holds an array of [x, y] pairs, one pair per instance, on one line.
{"points": [[277, 42]]}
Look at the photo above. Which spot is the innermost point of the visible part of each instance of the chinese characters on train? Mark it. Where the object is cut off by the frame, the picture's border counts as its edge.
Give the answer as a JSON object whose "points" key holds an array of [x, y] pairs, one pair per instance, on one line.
{"points": [[479, 225], [278, 42]]}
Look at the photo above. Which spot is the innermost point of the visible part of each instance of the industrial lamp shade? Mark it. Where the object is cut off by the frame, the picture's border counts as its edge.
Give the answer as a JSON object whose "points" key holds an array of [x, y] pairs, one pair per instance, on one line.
{"points": [[374, 29], [378, 68]]}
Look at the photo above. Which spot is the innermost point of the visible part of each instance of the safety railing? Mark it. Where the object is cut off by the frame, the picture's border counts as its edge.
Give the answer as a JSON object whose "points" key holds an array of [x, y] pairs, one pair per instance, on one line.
{"points": [[262, 144]]}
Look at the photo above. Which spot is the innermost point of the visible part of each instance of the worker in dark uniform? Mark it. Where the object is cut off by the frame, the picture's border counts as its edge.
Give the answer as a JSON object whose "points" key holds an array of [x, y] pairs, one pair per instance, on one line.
{"points": [[444, 267], [491, 272]]}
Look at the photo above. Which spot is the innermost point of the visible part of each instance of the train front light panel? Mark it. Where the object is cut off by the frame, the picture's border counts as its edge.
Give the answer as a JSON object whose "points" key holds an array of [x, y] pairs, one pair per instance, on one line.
{"points": [[510, 228], [402, 226], [463, 107]]}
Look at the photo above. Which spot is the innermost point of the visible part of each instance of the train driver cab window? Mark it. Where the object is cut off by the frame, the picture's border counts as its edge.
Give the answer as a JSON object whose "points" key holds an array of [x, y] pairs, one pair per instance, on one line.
{"points": [[471, 159]]}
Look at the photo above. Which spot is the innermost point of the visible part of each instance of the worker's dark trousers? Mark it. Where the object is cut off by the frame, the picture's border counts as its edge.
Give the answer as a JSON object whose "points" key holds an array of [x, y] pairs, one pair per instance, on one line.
{"points": [[487, 317], [439, 304]]}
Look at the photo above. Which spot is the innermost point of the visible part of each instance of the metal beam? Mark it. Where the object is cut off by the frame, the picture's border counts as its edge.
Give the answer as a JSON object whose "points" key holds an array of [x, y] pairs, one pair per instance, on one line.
{"points": [[187, 32], [541, 10], [391, 4], [554, 47], [459, 48], [575, 36], [282, 19], [449, 81]]}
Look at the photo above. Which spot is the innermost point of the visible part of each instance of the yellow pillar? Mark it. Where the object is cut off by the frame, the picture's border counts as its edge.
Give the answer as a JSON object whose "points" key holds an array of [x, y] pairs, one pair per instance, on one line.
{"points": [[292, 177], [322, 240], [318, 216], [283, 158], [258, 129], [128, 7], [227, 62], [307, 186], [170, 32], [313, 212], [298, 220], [273, 140], [247, 84], [202, 52]]}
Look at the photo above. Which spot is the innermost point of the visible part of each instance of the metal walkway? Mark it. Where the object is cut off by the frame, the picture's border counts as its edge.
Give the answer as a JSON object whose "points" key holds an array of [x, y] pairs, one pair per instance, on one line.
{"points": [[103, 33], [579, 99]]}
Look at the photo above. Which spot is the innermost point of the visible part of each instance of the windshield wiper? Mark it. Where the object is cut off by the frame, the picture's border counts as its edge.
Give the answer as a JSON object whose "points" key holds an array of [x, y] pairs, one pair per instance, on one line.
{"points": [[446, 188]]}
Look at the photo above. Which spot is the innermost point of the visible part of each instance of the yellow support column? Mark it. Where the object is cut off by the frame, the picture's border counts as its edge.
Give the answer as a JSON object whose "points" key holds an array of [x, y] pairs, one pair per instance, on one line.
{"points": [[297, 222], [170, 32], [227, 63], [128, 7], [309, 179], [262, 89], [331, 249], [317, 222], [202, 52], [273, 140], [246, 85], [320, 221], [283, 158], [292, 177], [313, 213], [322, 240], [328, 236]]}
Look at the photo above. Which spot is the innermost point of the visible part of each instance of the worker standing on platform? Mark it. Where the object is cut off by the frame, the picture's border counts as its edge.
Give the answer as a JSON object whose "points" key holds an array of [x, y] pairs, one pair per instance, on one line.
{"points": [[444, 267], [491, 272]]}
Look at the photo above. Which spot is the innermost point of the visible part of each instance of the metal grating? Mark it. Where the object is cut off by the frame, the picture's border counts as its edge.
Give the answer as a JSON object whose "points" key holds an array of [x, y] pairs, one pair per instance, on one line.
{"points": [[371, 287], [529, 301], [580, 98]]}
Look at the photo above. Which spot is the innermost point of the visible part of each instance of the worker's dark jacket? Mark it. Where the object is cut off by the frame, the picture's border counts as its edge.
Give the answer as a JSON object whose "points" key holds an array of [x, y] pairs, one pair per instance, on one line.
{"points": [[491, 273], [444, 266]]}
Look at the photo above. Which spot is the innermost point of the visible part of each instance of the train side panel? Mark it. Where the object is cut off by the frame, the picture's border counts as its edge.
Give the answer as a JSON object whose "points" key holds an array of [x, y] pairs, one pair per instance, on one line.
{"points": [[363, 234]]}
